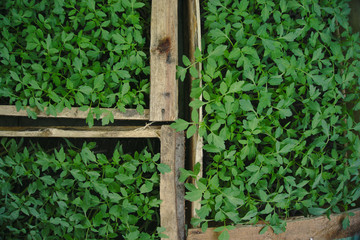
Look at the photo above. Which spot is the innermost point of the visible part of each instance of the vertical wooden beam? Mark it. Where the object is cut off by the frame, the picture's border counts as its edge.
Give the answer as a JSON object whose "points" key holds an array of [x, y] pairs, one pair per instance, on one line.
{"points": [[163, 60], [354, 20], [172, 208], [196, 142]]}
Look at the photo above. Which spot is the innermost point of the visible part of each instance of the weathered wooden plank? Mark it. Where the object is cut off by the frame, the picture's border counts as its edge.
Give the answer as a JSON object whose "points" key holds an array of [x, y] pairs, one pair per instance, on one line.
{"points": [[83, 132], [354, 18], [163, 60], [317, 228], [75, 112], [172, 210], [196, 142]]}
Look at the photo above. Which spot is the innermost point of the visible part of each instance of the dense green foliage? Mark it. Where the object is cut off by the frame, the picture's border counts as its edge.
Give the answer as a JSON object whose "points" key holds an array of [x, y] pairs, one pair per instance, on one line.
{"points": [[64, 53], [280, 83], [74, 193]]}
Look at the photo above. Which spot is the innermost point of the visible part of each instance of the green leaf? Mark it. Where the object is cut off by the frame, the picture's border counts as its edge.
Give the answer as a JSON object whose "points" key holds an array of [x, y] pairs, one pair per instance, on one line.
{"points": [[317, 211], [86, 90], [15, 76], [125, 89], [246, 105], [186, 60], [191, 131], [211, 148], [88, 155], [99, 82], [181, 72], [235, 54], [163, 168], [180, 125], [218, 141], [194, 72], [109, 117], [147, 187], [91, 4], [224, 235], [48, 180], [283, 5], [253, 168], [269, 44], [197, 103], [287, 148], [37, 68], [196, 92], [115, 210], [193, 195], [290, 37], [254, 179], [77, 63], [34, 84], [264, 229], [89, 26], [219, 50], [78, 175], [101, 188], [250, 215], [54, 97], [346, 223], [223, 88], [249, 73], [235, 87], [317, 54], [31, 113]]}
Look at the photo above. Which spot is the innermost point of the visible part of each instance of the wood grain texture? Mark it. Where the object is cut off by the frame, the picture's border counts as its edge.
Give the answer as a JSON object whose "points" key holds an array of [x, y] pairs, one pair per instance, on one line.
{"points": [[180, 188], [163, 60], [196, 142], [171, 191], [130, 114], [317, 228], [83, 132]]}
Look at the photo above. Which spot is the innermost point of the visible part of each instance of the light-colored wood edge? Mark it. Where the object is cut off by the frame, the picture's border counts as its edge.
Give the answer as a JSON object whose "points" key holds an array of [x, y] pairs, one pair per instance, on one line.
{"points": [[317, 228], [196, 142], [83, 132], [163, 60], [75, 112], [172, 208]]}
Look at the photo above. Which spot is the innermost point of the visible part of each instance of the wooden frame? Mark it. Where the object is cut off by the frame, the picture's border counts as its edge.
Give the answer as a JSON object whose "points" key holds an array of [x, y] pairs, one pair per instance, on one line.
{"points": [[163, 61], [317, 228], [172, 215]]}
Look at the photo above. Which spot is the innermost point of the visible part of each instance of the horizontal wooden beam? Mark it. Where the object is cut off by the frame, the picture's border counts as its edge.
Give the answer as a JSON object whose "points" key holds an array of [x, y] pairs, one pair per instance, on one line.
{"points": [[75, 112], [317, 228], [83, 132]]}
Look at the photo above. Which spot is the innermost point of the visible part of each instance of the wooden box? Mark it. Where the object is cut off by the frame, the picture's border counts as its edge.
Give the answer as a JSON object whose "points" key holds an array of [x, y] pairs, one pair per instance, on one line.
{"points": [[172, 151], [316, 228], [163, 61]]}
